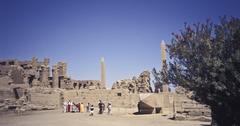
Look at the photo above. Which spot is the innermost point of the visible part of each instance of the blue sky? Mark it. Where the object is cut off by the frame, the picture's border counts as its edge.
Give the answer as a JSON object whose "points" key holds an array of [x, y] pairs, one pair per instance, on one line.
{"points": [[127, 33]]}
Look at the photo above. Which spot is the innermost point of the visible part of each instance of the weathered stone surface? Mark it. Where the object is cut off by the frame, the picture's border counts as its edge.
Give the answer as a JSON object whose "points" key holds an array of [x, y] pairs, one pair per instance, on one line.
{"points": [[118, 98], [200, 118], [179, 117], [87, 84], [32, 72], [135, 85]]}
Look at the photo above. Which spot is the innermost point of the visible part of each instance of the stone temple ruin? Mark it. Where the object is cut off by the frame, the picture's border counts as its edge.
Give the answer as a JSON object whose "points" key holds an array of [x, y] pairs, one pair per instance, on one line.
{"points": [[139, 85], [33, 78], [33, 85]]}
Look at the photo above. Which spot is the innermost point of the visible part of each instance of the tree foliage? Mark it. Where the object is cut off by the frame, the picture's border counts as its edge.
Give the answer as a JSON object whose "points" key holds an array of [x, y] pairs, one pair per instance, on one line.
{"points": [[161, 77], [157, 80], [206, 60]]}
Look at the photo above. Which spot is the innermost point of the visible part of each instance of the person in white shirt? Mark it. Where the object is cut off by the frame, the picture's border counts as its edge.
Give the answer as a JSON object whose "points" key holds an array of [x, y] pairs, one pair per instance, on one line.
{"points": [[65, 106], [71, 106], [91, 110]]}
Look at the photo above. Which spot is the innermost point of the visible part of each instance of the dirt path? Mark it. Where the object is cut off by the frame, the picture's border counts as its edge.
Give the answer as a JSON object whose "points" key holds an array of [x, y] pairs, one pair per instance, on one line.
{"points": [[56, 118]]}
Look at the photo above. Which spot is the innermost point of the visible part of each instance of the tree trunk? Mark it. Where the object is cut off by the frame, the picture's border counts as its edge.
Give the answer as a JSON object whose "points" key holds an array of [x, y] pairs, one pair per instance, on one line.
{"points": [[223, 116]]}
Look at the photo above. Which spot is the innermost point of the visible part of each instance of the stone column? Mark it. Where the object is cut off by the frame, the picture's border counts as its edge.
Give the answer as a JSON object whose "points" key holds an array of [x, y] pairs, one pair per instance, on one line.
{"points": [[62, 69], [44, 76], [46, 61], [34, 62], [103, 73], [55, 78]]}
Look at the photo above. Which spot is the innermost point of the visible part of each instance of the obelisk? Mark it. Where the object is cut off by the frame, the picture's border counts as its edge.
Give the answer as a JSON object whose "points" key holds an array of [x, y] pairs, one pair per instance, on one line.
{"points": [[103, 73], [163, 53]]}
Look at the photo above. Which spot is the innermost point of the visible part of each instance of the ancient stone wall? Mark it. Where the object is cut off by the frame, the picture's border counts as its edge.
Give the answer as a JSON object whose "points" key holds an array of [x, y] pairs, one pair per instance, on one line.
{"points": [[140, 84], [31, 80], [170, 103], [118, 98], [32, 72], [46, 97], [87, 84]]}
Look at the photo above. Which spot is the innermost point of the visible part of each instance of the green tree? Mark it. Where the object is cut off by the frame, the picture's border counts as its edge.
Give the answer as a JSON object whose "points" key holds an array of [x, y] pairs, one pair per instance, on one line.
{"points": [[161, 77], [206, 60], [157, 80]]}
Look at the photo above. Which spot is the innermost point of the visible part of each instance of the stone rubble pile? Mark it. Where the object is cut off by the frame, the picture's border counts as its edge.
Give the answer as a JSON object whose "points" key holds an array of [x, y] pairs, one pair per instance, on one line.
{"points": [[135, 85]]}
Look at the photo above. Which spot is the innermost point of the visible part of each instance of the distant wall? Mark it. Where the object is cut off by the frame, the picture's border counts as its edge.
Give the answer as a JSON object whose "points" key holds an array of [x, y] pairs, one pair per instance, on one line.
{"points": [[46, 98], [5, 92], [6, 95], [118, 98], [170, 102], [4, 80]]}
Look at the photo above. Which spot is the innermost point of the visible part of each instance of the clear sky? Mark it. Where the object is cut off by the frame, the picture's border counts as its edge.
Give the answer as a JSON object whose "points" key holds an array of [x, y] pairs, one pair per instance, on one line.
{"points": [[127, 33]]}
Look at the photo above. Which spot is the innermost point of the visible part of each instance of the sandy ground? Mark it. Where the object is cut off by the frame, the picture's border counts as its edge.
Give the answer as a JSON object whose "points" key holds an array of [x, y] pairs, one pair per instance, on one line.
{"points": [[57, 118]]}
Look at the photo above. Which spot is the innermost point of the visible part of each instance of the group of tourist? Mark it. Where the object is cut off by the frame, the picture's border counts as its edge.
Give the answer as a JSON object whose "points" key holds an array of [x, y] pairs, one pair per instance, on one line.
{"points": [[70, 106], [101, 107]]}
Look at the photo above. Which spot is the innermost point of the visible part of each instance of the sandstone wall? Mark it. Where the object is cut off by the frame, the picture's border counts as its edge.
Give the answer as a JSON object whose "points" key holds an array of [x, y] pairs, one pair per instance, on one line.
{"points": [[5, 92], [172, 102], [118, 98], [46, 97]]}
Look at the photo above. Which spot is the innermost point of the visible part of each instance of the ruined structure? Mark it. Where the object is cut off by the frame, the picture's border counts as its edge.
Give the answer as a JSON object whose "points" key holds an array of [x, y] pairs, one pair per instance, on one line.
{"points": [[31, 85], [135, 85], [35, 73], [32, 80], [59, 76], [18, 79], [87, 84]]}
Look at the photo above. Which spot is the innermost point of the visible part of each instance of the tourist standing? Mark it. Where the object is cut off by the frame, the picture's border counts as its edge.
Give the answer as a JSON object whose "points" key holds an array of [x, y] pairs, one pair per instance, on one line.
{"points": [[103, 107], [100, 106], [109, 107], [71, 106], [68, 106], [91, 110], [75, 108], [81, 107], [78, 106], [65, 104], [88, 107]]}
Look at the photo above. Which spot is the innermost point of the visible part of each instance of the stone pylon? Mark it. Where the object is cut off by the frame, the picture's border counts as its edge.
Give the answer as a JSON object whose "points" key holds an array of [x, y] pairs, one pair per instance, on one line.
{"points": [[103, 73], [163, 54]]}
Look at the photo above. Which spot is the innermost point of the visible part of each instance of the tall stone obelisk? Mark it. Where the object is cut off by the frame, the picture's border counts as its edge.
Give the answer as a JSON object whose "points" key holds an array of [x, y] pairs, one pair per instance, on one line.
{"points": [[103, 73], [163, 51], [163, 54]]}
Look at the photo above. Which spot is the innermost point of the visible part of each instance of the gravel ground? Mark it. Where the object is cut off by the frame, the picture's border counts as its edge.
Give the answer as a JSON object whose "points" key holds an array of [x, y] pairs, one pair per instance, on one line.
{"points": [[57, 118]]}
